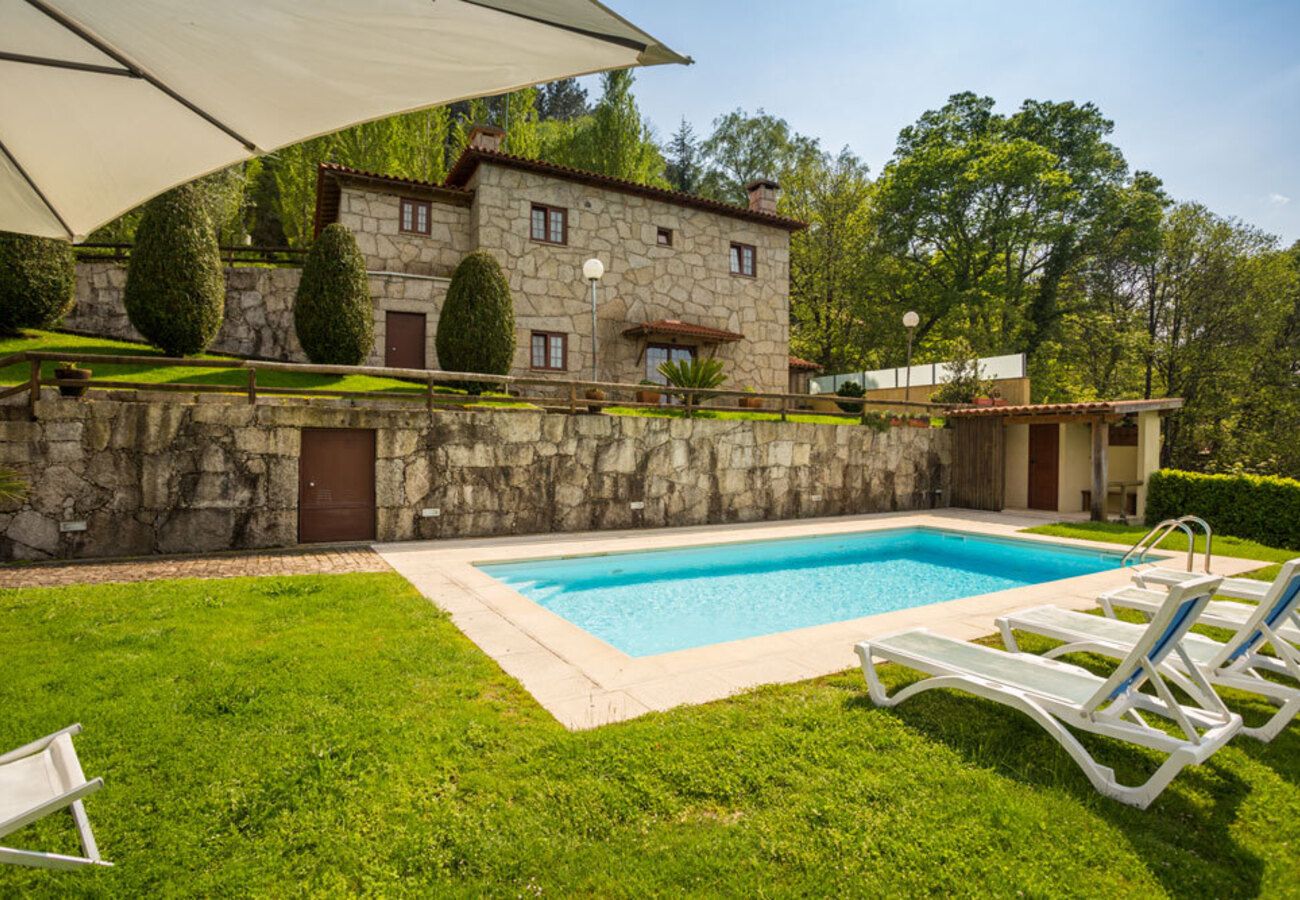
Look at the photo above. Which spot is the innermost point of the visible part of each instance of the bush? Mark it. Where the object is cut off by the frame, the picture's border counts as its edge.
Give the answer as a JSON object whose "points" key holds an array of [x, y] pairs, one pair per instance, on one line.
{"points": [[332, 311], [964, 383], [476, 329], [38, 278], [175, 292], [851, 389], [1260, 508]]}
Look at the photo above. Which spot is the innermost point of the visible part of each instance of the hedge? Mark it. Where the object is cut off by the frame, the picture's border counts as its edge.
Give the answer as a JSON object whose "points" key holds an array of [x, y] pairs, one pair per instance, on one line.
{"points": [[37, 281], [1260, 508], [175, 289], [332, 311], [476, 328]]}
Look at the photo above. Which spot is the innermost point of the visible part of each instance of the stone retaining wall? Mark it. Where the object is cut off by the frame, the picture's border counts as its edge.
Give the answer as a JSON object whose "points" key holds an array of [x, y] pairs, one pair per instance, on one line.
{"points": [[162, 476]]}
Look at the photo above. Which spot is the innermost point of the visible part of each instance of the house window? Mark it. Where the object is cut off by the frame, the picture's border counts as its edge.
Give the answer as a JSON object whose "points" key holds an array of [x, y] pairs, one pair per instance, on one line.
{"points": [[662, 353], [664, 237], [550, 224], [550, 351], [742, 260], [415, 216]]}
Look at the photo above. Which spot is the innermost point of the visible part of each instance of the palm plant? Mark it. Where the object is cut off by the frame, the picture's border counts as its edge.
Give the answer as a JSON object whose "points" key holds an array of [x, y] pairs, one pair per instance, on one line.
{"points": [[701, 374]]}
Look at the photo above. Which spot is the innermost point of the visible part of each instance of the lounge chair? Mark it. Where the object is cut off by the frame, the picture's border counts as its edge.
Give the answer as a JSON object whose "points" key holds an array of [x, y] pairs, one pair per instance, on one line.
{"points": [[1239, 663], [1218, 614], [1059, 696], [41, 778]]}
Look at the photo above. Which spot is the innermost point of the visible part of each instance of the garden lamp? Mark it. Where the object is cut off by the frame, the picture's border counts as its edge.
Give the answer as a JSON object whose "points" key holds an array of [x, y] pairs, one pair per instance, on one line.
{"points": [[910, 321], [593, 270]]}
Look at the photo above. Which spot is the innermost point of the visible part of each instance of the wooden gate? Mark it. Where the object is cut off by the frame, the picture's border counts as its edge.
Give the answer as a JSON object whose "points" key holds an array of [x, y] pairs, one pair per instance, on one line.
{"points": [[336, 485], [978, 462]]}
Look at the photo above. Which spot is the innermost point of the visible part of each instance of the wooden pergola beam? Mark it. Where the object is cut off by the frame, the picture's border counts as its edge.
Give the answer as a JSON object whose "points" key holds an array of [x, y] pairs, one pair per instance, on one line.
{"points": [[1100, 477]]}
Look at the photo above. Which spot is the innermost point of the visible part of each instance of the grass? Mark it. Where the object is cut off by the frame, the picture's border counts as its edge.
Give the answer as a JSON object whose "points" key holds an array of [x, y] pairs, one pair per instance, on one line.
{"points": [[1223, 545], [337, 735], [675, 412]]}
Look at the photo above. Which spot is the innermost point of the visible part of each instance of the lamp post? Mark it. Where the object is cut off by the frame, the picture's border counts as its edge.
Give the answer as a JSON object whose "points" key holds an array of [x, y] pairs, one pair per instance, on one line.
{"points": [[910, 321], [592, 270]]}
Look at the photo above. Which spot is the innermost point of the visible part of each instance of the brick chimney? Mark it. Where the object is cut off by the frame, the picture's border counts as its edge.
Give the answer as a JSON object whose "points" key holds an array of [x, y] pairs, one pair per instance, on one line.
{"points": [[486, 137], [762, 195]]}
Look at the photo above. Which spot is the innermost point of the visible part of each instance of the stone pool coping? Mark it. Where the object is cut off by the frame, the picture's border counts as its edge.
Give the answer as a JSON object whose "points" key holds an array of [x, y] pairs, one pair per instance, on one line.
{"points": [[585, 683]]}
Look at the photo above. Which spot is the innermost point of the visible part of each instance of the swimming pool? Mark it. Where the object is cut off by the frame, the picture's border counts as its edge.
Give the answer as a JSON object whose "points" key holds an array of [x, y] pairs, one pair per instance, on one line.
{"points": [[657, 601]]}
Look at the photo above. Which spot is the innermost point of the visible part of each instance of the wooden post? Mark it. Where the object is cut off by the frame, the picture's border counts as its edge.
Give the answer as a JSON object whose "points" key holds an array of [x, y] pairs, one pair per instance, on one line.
{"points": [[784, 403], [428, 394], [252, 385], [1100, 450], [34, 385]]}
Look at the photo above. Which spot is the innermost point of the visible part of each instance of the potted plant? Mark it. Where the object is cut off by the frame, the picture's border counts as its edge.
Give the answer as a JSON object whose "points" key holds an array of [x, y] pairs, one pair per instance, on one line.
{"points": [[918, 422], [70, 371], [598, 395], [750, 402], [648, 395]]}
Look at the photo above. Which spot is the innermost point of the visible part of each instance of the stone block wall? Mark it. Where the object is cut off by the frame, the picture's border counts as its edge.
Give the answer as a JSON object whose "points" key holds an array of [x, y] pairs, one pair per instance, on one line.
{"points": [[374, 218], [166, 476], [258, 317]]}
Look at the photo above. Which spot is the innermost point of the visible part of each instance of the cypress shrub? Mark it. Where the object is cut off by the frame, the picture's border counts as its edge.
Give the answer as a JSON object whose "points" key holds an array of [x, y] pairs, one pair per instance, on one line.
{"points": [[175, 291], [1261, 508], [38, 279], [476, 329], [332, 312]]}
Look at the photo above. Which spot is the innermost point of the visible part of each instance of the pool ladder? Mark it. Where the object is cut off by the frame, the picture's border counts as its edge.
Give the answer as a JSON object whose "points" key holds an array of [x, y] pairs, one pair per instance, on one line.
{"points": [[1152, 539]]}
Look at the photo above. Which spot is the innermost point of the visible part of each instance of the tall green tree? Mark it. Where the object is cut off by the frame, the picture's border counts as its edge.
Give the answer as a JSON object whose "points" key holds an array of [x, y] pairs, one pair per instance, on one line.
{"points": [[614, 140], [562, 100], [683, 154], [744, 147]]}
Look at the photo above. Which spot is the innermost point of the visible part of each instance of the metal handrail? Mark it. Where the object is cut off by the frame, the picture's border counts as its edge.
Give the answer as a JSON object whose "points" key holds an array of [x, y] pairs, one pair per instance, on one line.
{"points": [[1161, 530]]}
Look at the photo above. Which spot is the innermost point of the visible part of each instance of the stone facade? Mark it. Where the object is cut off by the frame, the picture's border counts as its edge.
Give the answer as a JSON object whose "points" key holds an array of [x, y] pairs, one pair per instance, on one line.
{"points": [[158, 475], [258, 318], [373, 217]]}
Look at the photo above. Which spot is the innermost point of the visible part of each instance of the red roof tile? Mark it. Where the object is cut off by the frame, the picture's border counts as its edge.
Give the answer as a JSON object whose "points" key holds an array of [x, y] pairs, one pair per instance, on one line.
{"points": [[1087, 408], [678, 328], [797, 363]]}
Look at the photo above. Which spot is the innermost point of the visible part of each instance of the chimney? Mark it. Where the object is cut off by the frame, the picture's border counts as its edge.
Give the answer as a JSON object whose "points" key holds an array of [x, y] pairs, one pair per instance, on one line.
{"points": [[762, 195], [486, 137]]}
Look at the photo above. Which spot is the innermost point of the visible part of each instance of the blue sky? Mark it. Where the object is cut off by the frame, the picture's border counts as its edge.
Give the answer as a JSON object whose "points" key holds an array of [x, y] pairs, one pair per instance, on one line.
{"points": [[1206, 95]]}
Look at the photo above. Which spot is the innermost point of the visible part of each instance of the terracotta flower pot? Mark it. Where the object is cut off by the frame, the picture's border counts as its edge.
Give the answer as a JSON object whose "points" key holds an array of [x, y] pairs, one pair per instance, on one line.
{"points": [[1001, 401], [595, 394], [78, 374], [895, 422], [984, 401], [750, 403], [919, 423], [648, 396]]}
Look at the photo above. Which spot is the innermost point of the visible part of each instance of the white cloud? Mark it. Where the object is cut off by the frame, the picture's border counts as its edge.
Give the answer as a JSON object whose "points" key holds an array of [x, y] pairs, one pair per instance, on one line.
{"points": [[1278, 199]]}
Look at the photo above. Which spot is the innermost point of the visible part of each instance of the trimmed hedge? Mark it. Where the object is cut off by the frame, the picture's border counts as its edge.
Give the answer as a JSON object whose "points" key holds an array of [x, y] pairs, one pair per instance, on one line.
{"points": [[1260, 508], [38, 279], [476, 328], [332, 311], [175, 288]]}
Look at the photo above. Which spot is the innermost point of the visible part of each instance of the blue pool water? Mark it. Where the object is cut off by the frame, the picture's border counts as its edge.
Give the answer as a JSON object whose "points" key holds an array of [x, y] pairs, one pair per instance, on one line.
{"points": [[656, 601]]}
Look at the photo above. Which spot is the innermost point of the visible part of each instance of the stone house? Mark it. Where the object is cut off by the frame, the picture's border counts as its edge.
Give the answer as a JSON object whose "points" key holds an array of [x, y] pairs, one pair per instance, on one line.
{"points": [[683, 275]]}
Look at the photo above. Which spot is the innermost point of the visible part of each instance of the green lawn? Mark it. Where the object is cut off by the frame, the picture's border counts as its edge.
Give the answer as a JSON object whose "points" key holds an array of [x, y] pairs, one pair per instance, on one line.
{"points": [[336, 735], [1223, 545]]}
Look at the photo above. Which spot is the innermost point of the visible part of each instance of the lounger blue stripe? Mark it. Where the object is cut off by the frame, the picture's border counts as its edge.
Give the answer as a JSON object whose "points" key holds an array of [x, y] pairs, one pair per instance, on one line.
{"points": [[1162, 646], [1280, 609]]}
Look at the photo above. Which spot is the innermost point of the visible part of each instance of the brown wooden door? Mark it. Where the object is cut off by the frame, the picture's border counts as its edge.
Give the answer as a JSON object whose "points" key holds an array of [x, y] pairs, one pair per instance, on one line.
{"points": [[336, 485], [1044, 444], [404, 340]]}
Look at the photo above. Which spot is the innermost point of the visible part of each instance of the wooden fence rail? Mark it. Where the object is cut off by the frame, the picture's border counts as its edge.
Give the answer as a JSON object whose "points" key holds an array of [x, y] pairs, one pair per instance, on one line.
{"points": [[510, 390]]}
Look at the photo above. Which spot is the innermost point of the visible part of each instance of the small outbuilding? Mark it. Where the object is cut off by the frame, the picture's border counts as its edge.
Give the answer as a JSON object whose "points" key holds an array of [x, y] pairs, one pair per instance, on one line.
{"points": [[1064, 457]]}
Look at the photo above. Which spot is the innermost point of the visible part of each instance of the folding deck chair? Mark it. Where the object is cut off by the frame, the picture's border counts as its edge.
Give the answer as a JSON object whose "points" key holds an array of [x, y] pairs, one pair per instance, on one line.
{"points": [[1059, 696], [1239, 663], [41, 778]]}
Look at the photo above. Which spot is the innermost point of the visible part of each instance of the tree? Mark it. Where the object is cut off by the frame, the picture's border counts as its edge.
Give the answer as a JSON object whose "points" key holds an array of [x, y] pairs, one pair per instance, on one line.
{"points": [[614, 140], [683, 153], [175, 292], [562, 100], [476, 328], [744, 147], [37, 281], [332, 311]]}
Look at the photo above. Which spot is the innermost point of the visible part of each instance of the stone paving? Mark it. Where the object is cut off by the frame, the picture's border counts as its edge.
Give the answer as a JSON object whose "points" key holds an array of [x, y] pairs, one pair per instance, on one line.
{"points": [[323, 561]]}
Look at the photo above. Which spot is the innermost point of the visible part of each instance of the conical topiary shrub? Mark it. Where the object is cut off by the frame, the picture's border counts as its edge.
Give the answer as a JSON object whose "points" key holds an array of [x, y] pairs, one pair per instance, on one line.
{"points": [[332, 312], [175, 291], [476, 329], [38, 279]]}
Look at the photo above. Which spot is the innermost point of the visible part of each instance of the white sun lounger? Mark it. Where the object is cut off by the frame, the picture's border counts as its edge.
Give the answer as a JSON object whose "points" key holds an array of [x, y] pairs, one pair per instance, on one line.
{"points": [[1239, 663], [1218, 614], [1059, 696], [41, 778]]}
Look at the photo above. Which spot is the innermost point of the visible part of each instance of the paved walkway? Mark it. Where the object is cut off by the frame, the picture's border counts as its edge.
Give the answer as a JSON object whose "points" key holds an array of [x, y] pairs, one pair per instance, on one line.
{"points": [[324, 561]]}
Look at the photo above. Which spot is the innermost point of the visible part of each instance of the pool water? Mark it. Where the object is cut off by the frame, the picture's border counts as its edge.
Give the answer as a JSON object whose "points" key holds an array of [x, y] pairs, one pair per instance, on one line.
{"points": [[657, 601]]}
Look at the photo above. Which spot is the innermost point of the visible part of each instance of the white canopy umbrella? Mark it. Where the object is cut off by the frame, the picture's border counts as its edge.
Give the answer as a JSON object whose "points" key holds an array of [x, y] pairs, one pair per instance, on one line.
{"points": [[106, 104]]}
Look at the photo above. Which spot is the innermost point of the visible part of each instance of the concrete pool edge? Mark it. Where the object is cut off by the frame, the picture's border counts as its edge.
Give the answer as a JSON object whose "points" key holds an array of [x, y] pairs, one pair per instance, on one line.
{"points": [[586, 683]]}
